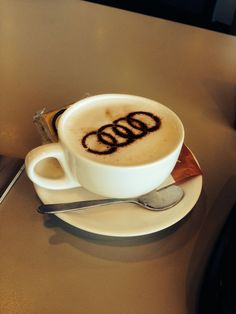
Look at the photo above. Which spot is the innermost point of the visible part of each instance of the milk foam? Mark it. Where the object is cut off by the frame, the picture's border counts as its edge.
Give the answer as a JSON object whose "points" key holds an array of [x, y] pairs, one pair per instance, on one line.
{"points": [[155, 145]]}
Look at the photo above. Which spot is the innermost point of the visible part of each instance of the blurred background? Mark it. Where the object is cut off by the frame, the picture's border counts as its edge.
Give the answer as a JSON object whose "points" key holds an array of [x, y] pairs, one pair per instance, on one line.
{"points": [[216, 15]]}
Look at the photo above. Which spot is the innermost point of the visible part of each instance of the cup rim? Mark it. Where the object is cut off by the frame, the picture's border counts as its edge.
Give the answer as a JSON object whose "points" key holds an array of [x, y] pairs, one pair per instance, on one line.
{"points": [[91, 99]]}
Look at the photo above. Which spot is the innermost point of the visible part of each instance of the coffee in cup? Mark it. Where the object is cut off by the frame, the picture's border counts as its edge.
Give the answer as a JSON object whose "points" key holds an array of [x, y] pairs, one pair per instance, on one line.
{"points": [[114, 145]]}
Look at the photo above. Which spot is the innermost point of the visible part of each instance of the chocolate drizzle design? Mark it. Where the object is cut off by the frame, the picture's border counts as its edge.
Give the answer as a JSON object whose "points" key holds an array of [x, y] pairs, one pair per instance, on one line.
{"points": [[122, 135]]}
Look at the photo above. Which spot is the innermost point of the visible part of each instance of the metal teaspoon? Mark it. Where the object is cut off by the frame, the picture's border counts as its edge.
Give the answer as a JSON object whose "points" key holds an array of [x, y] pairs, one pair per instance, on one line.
{"points": [[161, 199]]}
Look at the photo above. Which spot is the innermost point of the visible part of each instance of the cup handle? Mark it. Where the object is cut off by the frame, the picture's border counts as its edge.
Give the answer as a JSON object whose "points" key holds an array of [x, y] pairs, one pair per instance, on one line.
{"points": [[53, 150]]}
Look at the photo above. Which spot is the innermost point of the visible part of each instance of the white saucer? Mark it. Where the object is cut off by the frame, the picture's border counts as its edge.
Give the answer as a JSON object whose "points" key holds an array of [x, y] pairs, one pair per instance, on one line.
{"points": [[123, 220]]}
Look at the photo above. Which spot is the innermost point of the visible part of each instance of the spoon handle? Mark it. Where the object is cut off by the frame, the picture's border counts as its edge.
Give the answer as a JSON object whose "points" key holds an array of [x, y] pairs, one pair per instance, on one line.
{"points": [[65, 207]]}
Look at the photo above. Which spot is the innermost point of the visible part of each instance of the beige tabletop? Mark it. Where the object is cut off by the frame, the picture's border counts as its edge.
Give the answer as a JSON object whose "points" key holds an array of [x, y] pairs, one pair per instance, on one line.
{"points": [[53, 53]]}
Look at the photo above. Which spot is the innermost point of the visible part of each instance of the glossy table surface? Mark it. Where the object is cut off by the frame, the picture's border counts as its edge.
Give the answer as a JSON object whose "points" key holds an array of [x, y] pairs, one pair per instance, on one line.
{"points": [[56, 52]]}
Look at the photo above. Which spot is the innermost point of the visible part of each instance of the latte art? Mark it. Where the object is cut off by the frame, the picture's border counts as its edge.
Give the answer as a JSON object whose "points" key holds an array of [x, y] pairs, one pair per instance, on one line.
{"points": [[121, 132]]}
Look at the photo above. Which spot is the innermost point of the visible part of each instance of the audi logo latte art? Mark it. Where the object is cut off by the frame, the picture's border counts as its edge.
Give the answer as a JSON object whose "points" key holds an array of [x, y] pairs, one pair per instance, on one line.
{"points": [[122, 132]]}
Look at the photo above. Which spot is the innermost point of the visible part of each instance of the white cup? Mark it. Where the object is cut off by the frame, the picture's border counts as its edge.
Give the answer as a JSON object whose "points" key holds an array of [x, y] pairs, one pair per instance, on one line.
{"points": [[109, 180]]}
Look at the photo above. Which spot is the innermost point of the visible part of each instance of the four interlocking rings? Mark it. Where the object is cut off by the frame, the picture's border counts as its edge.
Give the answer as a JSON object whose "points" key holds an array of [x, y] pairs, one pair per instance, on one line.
{"points": [[116, 134]]}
